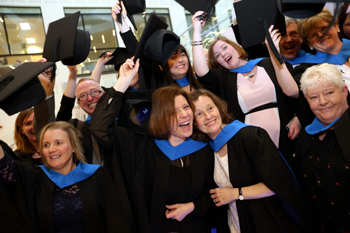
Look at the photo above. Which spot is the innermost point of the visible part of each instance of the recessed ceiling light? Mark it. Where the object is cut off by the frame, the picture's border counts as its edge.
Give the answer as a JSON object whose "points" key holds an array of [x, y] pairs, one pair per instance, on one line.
{"points": [[30, 40], [25, 26]]}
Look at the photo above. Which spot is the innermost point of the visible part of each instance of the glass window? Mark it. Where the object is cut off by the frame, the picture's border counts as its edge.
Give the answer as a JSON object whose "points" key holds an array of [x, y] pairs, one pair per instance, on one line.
{"points": [[142, 18], [22, 36]]}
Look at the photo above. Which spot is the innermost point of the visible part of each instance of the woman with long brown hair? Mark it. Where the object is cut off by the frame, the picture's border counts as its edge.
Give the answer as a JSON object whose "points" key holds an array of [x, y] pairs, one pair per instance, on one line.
{"points": [[26, 142]]}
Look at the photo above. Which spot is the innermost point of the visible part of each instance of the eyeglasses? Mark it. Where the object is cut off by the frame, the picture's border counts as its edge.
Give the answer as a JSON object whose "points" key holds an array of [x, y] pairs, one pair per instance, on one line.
{"points": [[292, 36], [323, 31], [92, 94]]}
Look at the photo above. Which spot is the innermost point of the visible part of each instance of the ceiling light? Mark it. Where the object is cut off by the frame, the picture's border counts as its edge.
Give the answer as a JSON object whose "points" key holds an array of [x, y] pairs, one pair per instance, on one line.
{"points": [[30, 40], [103, 39], [91, 37], [25, 26], [1, 20]]}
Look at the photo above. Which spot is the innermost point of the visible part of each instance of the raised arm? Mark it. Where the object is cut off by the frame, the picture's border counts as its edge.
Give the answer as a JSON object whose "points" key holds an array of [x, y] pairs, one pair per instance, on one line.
{"points": [[199, 59], [72, 82], [68, 98], [284, 78], [96, 73], [119, 8], [44, 112], [109, 105]]}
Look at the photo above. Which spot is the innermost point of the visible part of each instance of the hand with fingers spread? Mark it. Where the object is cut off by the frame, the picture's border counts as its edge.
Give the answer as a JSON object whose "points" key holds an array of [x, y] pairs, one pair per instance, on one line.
{"points": [[46, 79], [179, 211], [223, 196]]}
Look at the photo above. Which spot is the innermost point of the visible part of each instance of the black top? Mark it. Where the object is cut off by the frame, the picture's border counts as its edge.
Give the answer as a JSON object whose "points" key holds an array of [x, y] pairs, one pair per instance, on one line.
{"points": [[35, 199], [323, 172], [147, 171]]}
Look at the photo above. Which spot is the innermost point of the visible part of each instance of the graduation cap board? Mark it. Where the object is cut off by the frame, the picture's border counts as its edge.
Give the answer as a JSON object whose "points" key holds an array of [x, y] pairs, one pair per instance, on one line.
{"points": [[162, 52], [119, 57], [254, 17], [21, 89], [208, 6], [64, 42], [132, 7]]}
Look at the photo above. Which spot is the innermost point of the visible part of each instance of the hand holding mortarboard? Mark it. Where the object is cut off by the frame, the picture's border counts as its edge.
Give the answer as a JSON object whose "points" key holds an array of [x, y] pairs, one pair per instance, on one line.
{"points": [[198, 23], [47, 79], [132, 7], [127, 72], [119, 15], [276, 37], [199, 58]]}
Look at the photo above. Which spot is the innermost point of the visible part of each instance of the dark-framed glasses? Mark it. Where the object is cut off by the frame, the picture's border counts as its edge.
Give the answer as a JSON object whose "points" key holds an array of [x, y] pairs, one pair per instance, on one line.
{"points": [[316, 35], [92, 94]]}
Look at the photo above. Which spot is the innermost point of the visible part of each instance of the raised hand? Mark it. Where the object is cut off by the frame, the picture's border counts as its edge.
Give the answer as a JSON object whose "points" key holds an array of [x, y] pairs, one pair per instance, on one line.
{"points": [[47, 80]]}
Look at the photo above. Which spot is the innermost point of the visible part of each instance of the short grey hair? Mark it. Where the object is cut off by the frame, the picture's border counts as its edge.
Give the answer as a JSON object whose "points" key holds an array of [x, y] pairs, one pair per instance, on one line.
{"points": [[290, 21], [320, 75]]}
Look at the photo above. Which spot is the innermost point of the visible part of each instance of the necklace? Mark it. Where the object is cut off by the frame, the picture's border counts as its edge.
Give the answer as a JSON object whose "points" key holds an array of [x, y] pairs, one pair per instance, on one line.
{"points": [[249, 76]]}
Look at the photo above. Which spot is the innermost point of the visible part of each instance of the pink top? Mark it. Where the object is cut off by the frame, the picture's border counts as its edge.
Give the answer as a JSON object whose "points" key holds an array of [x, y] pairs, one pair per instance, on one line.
{"points": [[252, 95]]}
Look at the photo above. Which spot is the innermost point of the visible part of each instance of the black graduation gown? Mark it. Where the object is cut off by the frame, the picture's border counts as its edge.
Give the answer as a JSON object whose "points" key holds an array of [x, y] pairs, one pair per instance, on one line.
{"points": [[145, 169], [306, 145], [102, 207], [224, 84], [11, 220], [253, 158]]}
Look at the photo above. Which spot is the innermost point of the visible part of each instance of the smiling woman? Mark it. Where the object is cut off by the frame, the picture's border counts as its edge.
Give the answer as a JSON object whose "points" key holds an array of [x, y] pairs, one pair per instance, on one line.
{"points": [[65, 185], [323, 153], [248, 170], [26, 142], [255, 90], [173, 174]]}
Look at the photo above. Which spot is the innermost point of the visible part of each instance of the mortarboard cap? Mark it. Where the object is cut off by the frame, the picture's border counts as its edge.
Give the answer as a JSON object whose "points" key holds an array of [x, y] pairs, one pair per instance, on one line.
{"points": [[250, 17], [160, 46], [133, 7], [193, 6], [64, 42], [21, 89], [299, 10], [119, 57]]}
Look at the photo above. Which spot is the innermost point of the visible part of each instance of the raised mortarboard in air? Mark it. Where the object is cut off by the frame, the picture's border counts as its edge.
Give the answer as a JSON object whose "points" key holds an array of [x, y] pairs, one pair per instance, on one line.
{"points": [[300, 9], [21, 89], [119, 57], [254, 17], [155, 32], [160, 46], [208, 6], [132, 7], [64, 42]]}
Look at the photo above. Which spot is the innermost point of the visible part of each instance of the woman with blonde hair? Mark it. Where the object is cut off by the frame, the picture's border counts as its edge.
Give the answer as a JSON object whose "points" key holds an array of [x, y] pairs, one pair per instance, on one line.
{"points": [[65, 194]]}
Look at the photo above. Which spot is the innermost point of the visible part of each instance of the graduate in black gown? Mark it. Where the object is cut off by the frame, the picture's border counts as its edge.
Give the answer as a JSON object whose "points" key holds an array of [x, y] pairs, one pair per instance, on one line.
{"points": [[64, 194], [254, 90], [168, 174], [257, 191], [323, 152]]}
